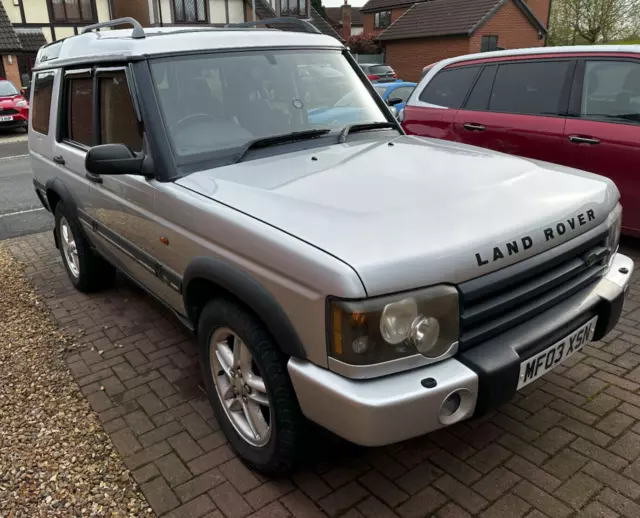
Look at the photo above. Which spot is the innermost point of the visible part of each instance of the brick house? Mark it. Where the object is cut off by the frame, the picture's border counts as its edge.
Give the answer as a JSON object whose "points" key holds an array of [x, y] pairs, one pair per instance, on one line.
{"points": [[416, 34], [344, 15]]}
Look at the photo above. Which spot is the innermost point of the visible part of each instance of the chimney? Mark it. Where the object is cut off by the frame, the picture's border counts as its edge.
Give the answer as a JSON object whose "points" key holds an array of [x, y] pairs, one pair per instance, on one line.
{"points": [[345, 18]]}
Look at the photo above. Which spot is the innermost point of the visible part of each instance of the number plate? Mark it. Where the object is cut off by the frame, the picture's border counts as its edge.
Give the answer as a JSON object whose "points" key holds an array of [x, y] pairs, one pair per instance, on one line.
{"points": [[538, 365], [6, 118]]}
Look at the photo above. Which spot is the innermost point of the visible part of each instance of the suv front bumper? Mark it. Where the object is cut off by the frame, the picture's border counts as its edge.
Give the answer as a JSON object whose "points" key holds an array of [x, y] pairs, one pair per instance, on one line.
{"points": [[393, 408]]}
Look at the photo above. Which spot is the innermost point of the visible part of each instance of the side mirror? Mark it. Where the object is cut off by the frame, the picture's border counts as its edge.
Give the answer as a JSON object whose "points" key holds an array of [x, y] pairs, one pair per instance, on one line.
{"points": [[113, 159], [392, 101]]}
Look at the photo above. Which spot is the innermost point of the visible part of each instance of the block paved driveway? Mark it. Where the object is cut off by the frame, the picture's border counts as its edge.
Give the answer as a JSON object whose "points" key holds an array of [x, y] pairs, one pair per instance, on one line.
{"points": [[567, 445]]}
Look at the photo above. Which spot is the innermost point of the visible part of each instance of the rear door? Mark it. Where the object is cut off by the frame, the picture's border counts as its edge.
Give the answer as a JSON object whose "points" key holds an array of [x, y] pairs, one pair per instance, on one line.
{"points": [[602, 134], [434, 110], [519, 108]]}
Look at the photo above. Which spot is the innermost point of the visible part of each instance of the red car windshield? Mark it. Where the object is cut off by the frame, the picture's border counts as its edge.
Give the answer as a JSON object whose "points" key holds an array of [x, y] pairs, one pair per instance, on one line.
{"points": [[7, 89]]}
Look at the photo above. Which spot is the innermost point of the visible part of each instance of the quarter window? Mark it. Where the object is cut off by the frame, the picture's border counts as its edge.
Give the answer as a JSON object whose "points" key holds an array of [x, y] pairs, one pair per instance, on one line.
{"points": [[533, 88], [118, 121], [41, 106], [79, 126], [189, 11], [72, 10], [611, 90], [449, 87], [382, 19]]}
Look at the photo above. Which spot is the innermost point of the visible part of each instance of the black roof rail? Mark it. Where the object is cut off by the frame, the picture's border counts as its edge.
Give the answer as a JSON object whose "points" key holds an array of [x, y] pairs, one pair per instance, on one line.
{"points": [[138, 31], [304, 24]]}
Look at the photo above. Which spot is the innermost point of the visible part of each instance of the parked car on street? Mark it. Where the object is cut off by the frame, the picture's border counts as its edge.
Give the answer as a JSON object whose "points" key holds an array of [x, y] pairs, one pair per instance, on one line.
{"points": [[379, 72], [575, 106], [397, 93], [380, 285], [14, 108]]}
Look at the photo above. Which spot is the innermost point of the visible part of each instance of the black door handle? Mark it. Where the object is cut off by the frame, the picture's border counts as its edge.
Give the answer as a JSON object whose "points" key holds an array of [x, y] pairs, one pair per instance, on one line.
{"points": [[59, 160], [577, 139], [472, 126], [93, 178]]}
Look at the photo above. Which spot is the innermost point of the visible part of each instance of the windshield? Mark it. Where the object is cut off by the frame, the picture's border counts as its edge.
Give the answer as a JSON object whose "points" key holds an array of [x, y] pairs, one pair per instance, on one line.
{"points": [[7, 89], [214, 104]]}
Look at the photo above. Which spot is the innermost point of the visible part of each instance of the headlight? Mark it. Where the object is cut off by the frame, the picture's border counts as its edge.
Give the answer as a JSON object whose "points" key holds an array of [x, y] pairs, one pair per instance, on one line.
{"points": [[614, 224], [21, 104], [387, 328]]}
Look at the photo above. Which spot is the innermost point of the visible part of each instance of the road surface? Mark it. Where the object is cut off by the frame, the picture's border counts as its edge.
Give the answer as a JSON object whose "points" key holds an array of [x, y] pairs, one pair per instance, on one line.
{"points": [[20, 210]]}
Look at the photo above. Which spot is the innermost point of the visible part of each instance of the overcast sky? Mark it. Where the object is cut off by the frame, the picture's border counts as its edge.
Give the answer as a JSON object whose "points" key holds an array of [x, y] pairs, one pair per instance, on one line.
{"points": [[337, 3]]}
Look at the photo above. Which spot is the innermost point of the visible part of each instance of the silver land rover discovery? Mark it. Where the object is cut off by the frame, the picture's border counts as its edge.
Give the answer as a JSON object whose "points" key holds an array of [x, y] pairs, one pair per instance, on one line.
{"points": [[332, 268]]}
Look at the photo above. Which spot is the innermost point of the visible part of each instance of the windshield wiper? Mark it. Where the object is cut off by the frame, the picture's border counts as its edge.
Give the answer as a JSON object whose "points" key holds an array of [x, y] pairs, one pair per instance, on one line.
{"points": [[276, 140], [363, 126]]}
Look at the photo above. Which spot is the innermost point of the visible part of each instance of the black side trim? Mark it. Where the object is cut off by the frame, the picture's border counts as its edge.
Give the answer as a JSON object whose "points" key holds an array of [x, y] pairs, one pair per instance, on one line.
{"points": [[147, 261], [251, 293]]}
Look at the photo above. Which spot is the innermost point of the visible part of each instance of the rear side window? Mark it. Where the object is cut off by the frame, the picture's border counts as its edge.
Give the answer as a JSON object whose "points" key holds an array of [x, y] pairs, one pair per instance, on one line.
{"points": [[533, 88], [479, 97], [611, 91], [449, 87], [41, 106], [402, 92], [79, 126], [118, 121]]}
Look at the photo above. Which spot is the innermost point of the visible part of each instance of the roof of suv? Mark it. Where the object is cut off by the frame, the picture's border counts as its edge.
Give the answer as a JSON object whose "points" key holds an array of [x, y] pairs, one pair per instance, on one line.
{"points": [[119, 44]]}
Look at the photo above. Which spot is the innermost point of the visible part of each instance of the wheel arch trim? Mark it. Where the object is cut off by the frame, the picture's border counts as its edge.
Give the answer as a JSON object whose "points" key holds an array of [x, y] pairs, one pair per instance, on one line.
{"points": [[249, 292]]}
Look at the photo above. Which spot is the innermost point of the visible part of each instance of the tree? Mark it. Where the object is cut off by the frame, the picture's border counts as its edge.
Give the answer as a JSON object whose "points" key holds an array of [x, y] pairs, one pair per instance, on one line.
{"points": [[592, 21], [317, 5], [363, 44]]}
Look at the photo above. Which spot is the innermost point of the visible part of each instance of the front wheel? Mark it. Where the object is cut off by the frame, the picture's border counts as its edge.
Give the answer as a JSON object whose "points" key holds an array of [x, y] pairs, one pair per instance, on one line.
{"points": [[87, 271], [249, 387]]}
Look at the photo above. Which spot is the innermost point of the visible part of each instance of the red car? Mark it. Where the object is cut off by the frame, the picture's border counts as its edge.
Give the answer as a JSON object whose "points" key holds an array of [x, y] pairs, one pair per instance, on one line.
{"points": [[574, 106], [14, 108]]}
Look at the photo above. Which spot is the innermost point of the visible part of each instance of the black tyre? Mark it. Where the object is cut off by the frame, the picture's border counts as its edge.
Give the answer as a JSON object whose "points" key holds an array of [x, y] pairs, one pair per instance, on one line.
{"points": [[249, 387], [87, 271]]}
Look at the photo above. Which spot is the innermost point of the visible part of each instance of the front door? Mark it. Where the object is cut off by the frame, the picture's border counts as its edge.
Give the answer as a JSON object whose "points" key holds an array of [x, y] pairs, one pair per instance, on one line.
{"points": [[602, 135], [518, 108], [121, 209]]}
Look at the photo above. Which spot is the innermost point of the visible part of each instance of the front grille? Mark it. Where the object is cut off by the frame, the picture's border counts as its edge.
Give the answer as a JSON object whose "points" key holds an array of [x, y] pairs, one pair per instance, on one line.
{"points": [[498, 301], [8, 111]]}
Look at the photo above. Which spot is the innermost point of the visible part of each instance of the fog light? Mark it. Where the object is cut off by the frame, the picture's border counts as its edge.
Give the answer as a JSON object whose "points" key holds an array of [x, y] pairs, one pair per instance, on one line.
{"points": [[360, 345], [451, 404]]}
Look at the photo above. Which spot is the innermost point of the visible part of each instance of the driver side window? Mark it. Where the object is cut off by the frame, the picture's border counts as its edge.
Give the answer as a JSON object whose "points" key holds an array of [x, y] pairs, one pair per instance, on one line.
{"points": [[611, 90], [118, 121]]}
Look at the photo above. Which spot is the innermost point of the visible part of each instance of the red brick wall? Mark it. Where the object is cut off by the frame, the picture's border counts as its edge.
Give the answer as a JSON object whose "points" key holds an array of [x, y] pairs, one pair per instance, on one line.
{"points": [[512, 28], [368, 19], [541, 9], [12, 72], [409, 57]]}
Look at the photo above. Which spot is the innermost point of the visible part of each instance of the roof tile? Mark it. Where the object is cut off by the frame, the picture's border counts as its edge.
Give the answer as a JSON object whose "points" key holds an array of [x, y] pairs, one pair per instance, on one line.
{"points": [[9, 41]]}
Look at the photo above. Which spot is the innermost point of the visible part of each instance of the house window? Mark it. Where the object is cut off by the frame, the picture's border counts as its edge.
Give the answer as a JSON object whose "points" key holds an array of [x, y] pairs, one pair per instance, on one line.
{"points": [[72, 11], [189, 11], [293, 7], [489, 43], [382, 19]]}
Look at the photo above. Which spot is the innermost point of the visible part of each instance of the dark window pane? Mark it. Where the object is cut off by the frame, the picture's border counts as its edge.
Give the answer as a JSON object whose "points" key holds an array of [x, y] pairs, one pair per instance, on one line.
{"points": [[190, 10], [58, 10], [179, 10], [529, 88], [380, 69], [87, 12], [80, 111], [41, 106], [489, 43], [611, 90], [118, 122], [479, 97], [450, 87], [201, 11], [382, 19], [73, 9]]}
